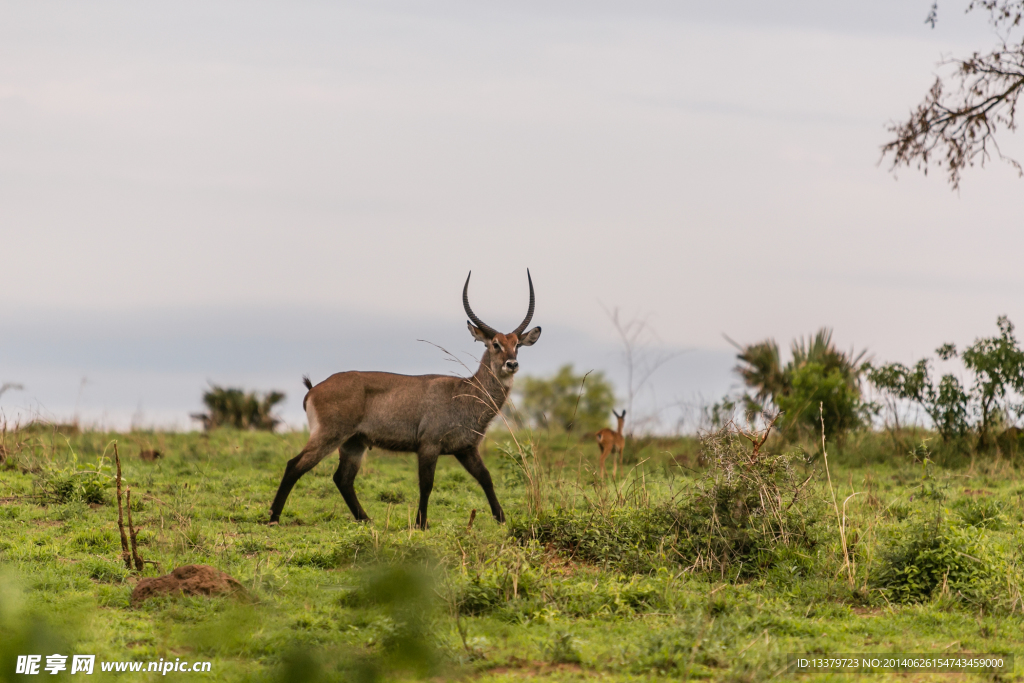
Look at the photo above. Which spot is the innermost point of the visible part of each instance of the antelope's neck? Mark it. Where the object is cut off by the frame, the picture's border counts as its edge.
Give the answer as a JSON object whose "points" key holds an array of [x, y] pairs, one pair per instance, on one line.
{"points": [[490, 389]]}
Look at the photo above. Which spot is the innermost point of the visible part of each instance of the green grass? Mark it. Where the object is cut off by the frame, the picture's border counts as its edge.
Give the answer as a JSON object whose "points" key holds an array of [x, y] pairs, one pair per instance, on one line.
{"points": [[590, 579]]}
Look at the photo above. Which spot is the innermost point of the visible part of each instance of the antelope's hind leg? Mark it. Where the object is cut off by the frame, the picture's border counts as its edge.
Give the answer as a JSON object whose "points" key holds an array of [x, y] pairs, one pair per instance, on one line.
{"points": [[351, 458], [315, 450], [606, 448]]}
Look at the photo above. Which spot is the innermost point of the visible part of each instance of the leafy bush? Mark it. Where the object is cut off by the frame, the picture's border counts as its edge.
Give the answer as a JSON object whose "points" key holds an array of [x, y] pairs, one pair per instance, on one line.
{"points": [[749, 505], [405, 593], [940, 556], [624, 539], [996, 365], [239, 409], [563, 648], [946, 404], [566, 401], [984, 513], [494, 586], [818, 395], [71, 484], [25, 631]]}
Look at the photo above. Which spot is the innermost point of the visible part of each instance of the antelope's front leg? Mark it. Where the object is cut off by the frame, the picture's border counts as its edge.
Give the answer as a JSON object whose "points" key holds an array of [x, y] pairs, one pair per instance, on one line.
{"points": [[474, 464]]}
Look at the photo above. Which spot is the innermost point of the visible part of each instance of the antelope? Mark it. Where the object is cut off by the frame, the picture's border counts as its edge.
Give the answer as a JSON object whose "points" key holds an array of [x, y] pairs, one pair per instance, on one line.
{"points": [[430, 415], [610, 442]]}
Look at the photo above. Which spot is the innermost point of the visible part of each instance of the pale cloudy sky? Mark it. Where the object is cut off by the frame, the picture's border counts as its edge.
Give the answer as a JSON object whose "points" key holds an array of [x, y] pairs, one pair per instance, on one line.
{"points": [[243, 192]]}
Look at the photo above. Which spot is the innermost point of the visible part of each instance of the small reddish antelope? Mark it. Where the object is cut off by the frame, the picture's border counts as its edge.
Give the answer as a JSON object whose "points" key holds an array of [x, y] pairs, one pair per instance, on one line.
{"points": [[430, 415], [610, 442]]}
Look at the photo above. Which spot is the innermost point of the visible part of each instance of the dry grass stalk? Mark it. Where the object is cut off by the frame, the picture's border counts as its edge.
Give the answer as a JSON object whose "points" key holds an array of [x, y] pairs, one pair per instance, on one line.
{"points": [[840, 519], [132, 533], [125, 552]]}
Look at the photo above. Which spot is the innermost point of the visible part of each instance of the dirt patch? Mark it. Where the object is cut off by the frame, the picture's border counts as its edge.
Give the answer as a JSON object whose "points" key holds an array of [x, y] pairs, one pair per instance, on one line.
{"points": [[191, 579]]}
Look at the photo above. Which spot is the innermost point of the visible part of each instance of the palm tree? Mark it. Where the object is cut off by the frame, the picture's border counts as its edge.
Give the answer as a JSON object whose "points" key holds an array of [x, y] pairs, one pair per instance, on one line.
{"points": [[230, 407], [763, 373], [763, 370], [820, 349]]}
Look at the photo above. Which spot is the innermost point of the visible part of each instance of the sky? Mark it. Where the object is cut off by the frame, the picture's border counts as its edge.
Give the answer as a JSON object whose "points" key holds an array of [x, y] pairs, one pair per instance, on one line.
{"points": [[240, 193]]}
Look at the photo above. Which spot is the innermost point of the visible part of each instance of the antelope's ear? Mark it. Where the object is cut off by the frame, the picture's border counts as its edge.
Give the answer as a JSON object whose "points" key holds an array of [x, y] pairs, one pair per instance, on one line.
{"points": [[530, 338], [477, 333]]}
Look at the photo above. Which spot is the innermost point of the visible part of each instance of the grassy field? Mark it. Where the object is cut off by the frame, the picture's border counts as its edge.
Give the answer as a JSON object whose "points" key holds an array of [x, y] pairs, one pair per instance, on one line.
{"points": [[699, 561]]}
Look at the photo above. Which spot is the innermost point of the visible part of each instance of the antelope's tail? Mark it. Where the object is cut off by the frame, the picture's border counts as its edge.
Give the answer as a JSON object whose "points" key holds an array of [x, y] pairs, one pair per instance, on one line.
{"points": [[309, 386]]}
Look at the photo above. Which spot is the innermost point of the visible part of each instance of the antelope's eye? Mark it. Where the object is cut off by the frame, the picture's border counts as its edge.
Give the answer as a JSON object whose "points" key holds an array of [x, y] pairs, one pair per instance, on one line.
{"points": [[497, 346]]}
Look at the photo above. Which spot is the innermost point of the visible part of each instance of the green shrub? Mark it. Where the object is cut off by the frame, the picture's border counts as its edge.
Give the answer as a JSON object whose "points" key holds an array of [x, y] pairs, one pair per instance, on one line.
{"points": [[818, 394], [996, 367], [71, 484], [750, 505], [563, 648], [925, 558], [405, 593], [984, 513], [630, 540]]}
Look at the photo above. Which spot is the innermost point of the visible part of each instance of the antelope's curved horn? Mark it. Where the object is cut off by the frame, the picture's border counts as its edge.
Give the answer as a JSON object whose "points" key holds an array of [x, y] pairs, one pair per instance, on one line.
{"points": [[484, 327], [529, 312]]}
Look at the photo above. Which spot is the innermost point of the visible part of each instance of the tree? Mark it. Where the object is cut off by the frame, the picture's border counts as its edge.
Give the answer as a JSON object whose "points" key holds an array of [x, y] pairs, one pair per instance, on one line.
{"points": [[239, 409], [567, 401], [818, 374], [997, 366], [956, 124]]}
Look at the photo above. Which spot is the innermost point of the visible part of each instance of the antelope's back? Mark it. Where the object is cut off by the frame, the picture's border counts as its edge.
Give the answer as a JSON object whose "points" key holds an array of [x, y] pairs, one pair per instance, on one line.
{"points": [[388, 409]]}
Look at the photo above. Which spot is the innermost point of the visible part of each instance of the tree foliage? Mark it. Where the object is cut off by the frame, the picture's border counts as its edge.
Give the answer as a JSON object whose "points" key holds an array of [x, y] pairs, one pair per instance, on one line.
{"points": [[997, 367], [229, 407], [565, 401], [818, 374], [956, 124]]}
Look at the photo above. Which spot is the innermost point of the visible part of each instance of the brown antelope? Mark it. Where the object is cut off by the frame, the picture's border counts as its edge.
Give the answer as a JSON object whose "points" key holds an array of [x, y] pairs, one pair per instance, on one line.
{"points": [[610, 442], [430, 415]]}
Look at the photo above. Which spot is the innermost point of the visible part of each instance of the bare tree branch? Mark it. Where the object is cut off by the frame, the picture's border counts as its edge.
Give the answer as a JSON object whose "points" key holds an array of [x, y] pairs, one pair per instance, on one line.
{"points": [[639, 354], [957, 123]]}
